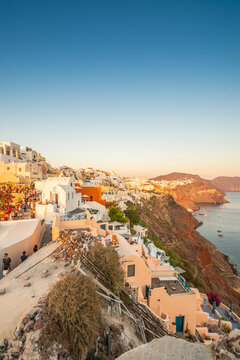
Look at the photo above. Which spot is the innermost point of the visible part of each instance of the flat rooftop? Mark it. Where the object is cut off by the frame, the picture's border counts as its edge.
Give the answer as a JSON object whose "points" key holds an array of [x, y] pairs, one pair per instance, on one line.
{"points": [[171, 284], [14, 231]]}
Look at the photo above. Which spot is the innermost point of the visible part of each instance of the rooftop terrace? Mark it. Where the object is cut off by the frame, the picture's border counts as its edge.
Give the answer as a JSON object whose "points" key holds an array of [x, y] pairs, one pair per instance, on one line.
{"points": [[171, 284]]}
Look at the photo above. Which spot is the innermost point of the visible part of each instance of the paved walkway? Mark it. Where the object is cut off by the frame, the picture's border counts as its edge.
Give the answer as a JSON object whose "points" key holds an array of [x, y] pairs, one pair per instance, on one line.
{"points": [[206, 308], [47, 236], [224, 313], [19, 300]]}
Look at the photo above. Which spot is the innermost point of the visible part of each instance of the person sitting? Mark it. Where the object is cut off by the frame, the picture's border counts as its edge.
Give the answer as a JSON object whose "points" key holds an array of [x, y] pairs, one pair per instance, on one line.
{"points": [[6, 266], [24, 256]]}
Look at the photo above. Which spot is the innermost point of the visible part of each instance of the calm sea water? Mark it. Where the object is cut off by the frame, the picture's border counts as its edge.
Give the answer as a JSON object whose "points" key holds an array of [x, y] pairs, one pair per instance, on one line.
{"points": [[226, 219]]}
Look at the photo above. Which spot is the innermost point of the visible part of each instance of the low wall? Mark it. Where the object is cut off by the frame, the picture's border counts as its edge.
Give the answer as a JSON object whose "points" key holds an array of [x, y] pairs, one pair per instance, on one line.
{"points": [[15, 251]]}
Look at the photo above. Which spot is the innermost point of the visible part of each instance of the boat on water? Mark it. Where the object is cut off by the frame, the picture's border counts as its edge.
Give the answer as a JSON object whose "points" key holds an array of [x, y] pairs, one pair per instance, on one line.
{"points": [[220, 235], [202, 212], [219, 231]]}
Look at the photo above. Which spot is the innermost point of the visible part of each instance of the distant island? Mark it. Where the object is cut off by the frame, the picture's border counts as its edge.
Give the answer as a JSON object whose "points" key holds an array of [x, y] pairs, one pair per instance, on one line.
{"points": [[227, 183], [196, 190]]}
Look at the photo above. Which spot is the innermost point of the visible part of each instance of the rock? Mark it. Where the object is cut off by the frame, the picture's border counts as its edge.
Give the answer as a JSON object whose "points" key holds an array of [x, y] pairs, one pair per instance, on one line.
{"points": [[38, 317], [16, 349], [228, 346], [27, 284], [28, 326], [19, 333], [25, 320], [2, 291], [38, 324], [4, 345], [168, 348]]}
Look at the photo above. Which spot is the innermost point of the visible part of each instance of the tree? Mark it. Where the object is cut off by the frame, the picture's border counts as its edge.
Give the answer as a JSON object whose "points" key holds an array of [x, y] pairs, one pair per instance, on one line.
{"points": [[133, 216], [116, 214], [73, 315], [106, 259]]}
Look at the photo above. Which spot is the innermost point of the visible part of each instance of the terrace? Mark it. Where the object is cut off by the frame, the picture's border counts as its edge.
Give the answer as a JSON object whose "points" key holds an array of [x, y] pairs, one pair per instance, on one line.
{"points": [[171, 284]]}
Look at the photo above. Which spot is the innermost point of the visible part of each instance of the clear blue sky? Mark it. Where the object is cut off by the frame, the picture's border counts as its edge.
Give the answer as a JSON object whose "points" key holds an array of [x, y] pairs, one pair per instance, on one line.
{"points": [[140, 87]]}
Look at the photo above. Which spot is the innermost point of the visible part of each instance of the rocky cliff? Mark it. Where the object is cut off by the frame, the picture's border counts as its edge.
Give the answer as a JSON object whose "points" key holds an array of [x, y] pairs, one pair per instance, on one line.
{"points": [[227, 183], [176, 228], [170, 348], [191, 195]]}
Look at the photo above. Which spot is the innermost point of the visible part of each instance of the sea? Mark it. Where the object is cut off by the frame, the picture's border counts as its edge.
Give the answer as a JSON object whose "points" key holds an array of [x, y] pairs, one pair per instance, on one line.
{"points": [[226, 218]]}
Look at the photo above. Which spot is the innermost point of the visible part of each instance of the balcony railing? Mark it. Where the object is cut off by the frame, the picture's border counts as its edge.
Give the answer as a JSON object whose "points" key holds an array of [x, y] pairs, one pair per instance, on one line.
{"points": [[184, 284]]}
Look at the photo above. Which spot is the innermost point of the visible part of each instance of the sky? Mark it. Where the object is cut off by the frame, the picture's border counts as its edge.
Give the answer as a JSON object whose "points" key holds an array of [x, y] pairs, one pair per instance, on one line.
{"points": [[140, 87]]}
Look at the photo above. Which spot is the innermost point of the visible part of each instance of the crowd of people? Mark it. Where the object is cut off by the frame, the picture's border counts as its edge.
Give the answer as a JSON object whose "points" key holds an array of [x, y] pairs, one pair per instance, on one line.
{"points": [[25, 207]]}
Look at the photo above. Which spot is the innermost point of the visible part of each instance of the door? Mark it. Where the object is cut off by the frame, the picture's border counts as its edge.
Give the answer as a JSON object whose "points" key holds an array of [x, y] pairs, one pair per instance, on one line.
{"points": [[147, 291], [179, 323]]}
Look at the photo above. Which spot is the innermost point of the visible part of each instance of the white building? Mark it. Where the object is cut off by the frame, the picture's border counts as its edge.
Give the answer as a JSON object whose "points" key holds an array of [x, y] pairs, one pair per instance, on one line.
{"points": [[58, 196], [9, 152], [97, 211], [140, 231], [119, 228]]}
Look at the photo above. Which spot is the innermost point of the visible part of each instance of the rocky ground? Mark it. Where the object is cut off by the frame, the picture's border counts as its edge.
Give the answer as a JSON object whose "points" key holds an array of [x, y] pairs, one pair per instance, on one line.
{"points": [[169, 348]]}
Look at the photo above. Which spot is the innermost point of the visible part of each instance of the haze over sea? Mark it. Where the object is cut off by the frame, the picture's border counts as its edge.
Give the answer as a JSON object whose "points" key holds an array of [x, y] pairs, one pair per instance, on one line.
{"points": [[226, 218]]}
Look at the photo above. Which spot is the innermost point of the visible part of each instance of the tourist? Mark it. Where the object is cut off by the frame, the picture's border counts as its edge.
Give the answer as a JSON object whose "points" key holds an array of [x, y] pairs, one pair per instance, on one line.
{"points": [[35, 248], [6, 266], [24, 256]]}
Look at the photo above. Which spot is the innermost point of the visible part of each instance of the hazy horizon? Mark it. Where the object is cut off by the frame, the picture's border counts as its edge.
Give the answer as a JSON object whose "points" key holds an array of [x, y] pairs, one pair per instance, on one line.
{"points": [[144, 88]]}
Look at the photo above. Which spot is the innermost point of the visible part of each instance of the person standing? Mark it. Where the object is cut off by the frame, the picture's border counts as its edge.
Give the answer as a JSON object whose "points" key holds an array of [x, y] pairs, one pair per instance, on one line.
{"points": [[6, 265], [24, 256]]}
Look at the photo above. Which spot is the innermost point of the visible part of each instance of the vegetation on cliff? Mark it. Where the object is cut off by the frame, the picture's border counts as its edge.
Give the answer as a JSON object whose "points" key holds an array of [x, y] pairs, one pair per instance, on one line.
{"points": [[106, 259], [71, 304], [116, 214]]}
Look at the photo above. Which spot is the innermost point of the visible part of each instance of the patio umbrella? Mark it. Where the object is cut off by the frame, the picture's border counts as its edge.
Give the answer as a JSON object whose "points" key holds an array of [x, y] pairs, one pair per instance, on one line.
{"points": [[214, 307], [231, 308]]}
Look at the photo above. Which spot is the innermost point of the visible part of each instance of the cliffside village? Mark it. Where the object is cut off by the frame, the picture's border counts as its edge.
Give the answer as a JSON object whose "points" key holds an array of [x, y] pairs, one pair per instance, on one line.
{"points": [[63, 205]]}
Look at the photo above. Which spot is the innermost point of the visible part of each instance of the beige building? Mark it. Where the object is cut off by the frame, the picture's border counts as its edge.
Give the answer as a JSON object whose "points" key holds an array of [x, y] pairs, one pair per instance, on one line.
{"points": [[32, 171], [22, 161]]}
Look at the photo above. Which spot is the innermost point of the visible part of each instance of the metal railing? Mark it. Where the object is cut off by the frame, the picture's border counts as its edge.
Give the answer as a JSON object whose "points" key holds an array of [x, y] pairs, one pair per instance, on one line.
{"points": [[198, 336], [184, 284]]}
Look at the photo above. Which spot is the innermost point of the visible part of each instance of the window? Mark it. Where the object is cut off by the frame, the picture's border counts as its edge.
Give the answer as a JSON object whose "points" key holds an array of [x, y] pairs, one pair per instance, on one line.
{"points": [[20, 169], [72, 195], [131, 270], [68, 196], [8, 168]]}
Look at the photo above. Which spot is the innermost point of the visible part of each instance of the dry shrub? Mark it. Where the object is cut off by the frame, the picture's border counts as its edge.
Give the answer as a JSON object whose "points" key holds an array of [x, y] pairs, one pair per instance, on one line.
{"points": [[106, 259], [73, 314]]}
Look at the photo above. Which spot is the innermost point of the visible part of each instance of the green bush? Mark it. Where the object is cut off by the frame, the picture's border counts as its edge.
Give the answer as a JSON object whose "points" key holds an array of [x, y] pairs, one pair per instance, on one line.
{"points": [[199, 283], [116, 214], [106, 259], [133, 216], [73, 315], [226, 329]]}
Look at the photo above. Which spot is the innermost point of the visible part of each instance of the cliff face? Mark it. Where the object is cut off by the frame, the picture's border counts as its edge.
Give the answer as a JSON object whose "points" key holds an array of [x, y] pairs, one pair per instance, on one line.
{"points": [[175, 227], [199, 191], [227, 183]]}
